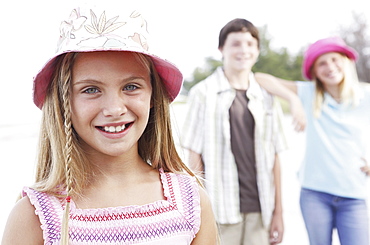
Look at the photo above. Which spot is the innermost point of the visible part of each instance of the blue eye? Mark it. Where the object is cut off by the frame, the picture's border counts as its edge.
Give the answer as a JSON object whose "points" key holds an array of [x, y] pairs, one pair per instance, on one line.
{"points": [[130, 87], [91, 90]]}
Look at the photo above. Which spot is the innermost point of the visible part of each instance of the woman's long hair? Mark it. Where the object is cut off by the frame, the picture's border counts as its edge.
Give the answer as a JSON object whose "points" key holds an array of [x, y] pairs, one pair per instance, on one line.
{"points": [[63, 169], [348, 87]]}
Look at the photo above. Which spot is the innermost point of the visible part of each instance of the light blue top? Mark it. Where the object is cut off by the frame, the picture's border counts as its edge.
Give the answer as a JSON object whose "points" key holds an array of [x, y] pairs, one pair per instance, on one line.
{"points": [[336, 142]]}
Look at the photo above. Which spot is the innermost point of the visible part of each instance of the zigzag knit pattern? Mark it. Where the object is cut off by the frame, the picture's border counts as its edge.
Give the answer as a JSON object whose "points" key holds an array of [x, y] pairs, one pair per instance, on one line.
{"points": [[175, 220]]}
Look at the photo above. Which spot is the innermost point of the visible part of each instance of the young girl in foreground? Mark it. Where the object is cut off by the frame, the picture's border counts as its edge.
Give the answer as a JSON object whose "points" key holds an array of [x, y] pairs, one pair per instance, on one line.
{"points": [[108, 171], [335, 167]]}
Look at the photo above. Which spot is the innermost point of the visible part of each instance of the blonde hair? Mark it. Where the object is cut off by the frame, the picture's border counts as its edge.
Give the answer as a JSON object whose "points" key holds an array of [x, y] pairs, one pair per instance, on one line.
{"points": [[348, 87], [63, 169]]}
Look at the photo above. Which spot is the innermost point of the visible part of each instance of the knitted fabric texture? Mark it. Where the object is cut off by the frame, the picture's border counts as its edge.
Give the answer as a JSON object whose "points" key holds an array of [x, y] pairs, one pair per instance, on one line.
{"points": [[175, 220]]}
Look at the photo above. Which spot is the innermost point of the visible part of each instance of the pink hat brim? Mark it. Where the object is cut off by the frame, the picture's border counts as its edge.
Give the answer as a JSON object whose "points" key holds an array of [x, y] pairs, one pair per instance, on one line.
{"points": [[171, 77]]}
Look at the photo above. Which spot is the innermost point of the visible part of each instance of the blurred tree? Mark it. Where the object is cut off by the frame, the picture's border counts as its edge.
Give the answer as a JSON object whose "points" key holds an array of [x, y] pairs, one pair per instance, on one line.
{"points": [[356, 35], [201, 73], [280, 62]]}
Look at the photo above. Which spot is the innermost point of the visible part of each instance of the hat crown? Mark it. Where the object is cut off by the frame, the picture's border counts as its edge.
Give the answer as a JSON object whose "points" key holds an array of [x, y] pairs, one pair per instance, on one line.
{"points": [[94, 30], [331, 42]]}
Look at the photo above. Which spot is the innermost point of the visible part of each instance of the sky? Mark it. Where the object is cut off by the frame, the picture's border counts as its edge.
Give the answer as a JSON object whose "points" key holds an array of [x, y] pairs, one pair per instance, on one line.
{"points": [[184, 32]]}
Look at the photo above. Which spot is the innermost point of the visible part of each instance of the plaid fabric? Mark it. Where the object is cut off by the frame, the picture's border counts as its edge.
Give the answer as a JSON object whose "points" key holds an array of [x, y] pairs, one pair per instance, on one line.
{"points": [[207, 132]]}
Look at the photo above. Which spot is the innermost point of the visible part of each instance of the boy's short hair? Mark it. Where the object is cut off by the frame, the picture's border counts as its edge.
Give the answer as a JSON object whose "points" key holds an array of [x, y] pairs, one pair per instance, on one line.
{"points": [[238, 25]]}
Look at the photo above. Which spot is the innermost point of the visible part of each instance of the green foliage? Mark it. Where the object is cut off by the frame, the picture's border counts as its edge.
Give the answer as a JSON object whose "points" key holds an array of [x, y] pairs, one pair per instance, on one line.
{"points": [[200, 74], [280, 64]]}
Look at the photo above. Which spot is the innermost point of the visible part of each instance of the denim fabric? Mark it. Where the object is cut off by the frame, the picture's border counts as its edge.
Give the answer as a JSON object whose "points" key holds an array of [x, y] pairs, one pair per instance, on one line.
{"points": [[323, 212]]}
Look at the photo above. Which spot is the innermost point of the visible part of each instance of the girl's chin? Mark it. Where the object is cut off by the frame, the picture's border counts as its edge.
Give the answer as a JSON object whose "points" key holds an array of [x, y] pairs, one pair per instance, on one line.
{"points": [[332, 81]]}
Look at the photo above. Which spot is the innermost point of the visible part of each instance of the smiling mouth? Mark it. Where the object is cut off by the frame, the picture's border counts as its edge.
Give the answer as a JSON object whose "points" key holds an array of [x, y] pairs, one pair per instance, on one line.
{"points": [[114, 129]]}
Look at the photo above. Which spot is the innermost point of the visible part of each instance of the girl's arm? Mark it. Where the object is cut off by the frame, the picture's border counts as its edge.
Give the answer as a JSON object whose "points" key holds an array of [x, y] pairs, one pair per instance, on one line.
{"points": [[208, 233], [23, 226], [288, 91], [277, 86]]}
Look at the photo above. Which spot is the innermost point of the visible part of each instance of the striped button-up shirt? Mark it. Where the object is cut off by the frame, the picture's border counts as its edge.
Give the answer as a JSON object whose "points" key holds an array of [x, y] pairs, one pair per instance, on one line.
{"points": [[207, 132]]}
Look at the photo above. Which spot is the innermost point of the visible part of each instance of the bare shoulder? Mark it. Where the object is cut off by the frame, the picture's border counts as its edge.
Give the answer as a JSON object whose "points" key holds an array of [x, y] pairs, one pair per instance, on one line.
{"points": [[22, 220], [208, 233]]}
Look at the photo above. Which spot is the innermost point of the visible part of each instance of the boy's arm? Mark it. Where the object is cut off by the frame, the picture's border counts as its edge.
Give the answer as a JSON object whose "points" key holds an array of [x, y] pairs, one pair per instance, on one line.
{"points": [[196, 163], [277, 224]]}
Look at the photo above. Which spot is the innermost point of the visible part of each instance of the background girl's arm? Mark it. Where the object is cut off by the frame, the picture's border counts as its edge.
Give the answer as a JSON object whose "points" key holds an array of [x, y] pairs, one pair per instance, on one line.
{"points": [[23, 226], [288, 91], [207, 234], [280, 87]]}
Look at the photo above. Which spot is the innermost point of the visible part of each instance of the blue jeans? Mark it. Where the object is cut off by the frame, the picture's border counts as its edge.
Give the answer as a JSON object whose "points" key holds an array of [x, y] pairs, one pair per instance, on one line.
{"points": [[322, 212]]}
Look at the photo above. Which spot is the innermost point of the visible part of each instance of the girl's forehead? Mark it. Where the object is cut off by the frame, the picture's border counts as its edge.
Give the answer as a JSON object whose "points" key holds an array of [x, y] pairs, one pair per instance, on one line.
{"points": [[106, 58], [329, 55], [104, 55], [107, 64]]}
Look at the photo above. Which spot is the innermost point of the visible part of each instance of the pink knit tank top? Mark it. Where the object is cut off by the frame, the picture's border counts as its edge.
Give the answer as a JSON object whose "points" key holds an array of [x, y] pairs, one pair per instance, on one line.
{"points": [[174, 221]]}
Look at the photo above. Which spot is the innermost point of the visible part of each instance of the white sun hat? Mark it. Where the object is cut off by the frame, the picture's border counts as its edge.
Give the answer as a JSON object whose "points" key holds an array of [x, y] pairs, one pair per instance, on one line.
{"points": [[96, 29]]}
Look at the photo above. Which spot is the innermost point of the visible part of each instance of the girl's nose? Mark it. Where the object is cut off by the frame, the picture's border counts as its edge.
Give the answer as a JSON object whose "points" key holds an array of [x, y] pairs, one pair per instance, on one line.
{"points": [[114, 106], [332, 65]]}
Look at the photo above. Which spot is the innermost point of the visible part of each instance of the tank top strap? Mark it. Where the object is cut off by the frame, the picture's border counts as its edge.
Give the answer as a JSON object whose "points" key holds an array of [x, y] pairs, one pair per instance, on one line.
{"points": [[182, 191], [50, 211]]}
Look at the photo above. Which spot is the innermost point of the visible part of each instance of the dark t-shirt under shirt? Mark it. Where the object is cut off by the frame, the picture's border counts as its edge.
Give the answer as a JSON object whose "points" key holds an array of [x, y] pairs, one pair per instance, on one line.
{"points": [[242, 146]]}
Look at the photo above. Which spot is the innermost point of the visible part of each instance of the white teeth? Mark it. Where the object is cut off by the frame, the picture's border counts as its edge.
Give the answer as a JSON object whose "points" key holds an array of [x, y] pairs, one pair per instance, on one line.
{"points": [[113, 129]]}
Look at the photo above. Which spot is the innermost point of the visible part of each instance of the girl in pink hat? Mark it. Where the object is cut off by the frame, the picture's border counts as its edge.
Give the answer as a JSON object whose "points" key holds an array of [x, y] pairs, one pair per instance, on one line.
{"points": [[108, 171], [335, 167]]}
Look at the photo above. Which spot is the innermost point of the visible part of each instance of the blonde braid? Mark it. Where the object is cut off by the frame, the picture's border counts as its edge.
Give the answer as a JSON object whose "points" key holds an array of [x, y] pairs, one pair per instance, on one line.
{"points": [[65, 77]]}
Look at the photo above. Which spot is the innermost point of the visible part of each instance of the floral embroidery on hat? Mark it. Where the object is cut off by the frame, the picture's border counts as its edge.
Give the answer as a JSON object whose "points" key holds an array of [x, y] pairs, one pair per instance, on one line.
{"points": [[74, 23], [137, 37], [102, 26], [102, 32]]}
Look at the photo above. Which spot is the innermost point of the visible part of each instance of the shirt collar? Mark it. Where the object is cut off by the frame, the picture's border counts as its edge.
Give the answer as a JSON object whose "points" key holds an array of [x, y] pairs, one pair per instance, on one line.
{"points": [[330, 101], [254, 89]]}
